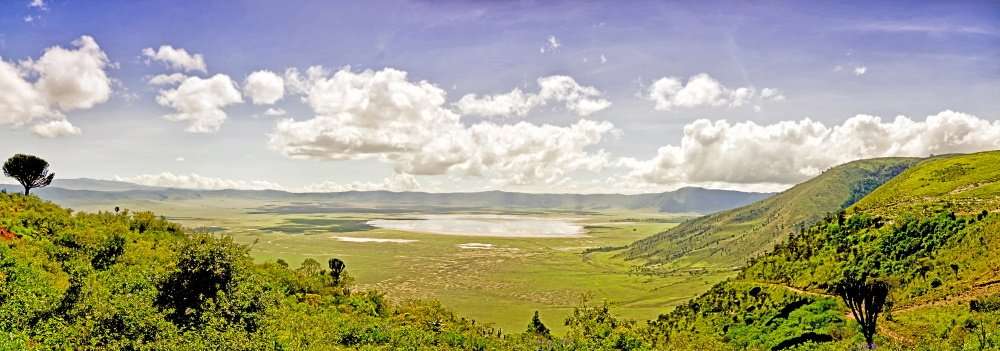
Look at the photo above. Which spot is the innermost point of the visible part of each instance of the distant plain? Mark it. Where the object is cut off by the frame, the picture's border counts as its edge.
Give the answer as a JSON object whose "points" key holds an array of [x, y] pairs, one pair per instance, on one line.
{"points": [[493, 279]]}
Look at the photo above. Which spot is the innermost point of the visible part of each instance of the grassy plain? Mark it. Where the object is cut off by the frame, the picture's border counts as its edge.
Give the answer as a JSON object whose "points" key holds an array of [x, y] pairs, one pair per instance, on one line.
{"points": [[502, 284]]}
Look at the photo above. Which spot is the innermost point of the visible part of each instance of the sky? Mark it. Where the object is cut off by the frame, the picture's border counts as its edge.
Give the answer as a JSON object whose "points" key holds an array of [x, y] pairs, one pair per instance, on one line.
{"points": [[530, 96]]}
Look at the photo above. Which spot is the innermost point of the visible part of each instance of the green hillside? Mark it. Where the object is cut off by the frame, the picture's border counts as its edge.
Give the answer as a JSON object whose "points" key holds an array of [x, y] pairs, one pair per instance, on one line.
{"points": [[730, 237], [930, 234]]}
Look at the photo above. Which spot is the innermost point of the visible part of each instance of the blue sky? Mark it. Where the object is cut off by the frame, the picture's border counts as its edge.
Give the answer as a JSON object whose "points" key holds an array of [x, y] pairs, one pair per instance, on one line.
{"points": [[835, 65]]}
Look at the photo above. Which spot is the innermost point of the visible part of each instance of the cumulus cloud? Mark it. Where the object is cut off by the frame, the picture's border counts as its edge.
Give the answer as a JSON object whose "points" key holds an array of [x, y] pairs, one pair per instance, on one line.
{"points": [[39, 4], [195, 181], [176, 58], [700, 90], [200, 102], [64, 80], [396, 182], [791, 151], [264, 87], [383, 115], [53, 129], [20, 101], [860, 70], [582, 100], [73, 79], [526, 153]]}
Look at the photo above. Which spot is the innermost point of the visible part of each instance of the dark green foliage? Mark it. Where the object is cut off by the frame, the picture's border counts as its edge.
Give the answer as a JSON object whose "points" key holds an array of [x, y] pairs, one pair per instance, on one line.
{"points": [[109, 252], [336, 269], [32, 172], [209, 271], [537, 327], [868, 182], [595, 328], [866, 299], [988, 304]]}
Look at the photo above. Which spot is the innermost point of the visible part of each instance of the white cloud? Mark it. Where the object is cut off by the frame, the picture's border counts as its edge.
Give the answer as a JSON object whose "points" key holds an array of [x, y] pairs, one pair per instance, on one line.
{"points": [[582, 100], [396, 182], [73, 79], [604, 59], [179, 159], [200, 102], [383, 115], [195, 181], [771, 94], [514, 103], [64, 80], [860, 70], [902, 27], [20, 101], [791, 151], [274, 112], [526, 153], [39, 4], [53, 129], [264, 87], [701, 90], [167, 79], [176, 58], [553, 42]]}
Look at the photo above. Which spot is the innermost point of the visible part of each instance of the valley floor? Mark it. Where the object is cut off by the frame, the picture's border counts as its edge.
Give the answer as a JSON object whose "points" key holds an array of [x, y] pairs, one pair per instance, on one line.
{"points": [[499, 280]]}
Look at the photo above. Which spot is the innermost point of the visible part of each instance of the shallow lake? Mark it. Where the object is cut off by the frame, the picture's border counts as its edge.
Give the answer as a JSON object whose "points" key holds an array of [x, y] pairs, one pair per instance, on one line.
{"points": [[485, 225]]}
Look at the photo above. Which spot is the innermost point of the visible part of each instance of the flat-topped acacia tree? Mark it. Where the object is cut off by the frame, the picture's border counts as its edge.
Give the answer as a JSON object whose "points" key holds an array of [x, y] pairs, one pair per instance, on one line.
{"points": [[32, 172]]}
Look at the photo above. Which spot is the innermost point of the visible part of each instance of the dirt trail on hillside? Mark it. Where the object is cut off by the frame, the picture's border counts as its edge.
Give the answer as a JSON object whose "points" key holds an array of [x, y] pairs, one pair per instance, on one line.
{"points": [[882, 328], [888, 328]]}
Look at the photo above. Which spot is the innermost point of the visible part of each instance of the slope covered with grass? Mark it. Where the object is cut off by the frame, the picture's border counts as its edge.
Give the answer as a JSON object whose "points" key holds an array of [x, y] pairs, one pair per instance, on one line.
{"points": [[931, 234], [730, 237]]}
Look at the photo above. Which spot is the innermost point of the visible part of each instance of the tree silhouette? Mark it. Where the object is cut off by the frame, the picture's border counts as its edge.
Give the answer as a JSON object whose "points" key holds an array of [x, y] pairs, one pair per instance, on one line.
{"points": [[537, 327], [30, 171], [866, 300], [336, 268]]}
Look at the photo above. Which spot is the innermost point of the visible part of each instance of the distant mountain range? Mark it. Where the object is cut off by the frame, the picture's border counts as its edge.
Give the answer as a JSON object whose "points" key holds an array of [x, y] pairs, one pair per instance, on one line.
{"points": [[72, 192]]}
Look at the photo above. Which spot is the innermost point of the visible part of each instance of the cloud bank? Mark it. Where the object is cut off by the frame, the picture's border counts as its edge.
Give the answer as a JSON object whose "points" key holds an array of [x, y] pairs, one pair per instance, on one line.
{"points": [[789, 152], [383, 115], [195, 181]]}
